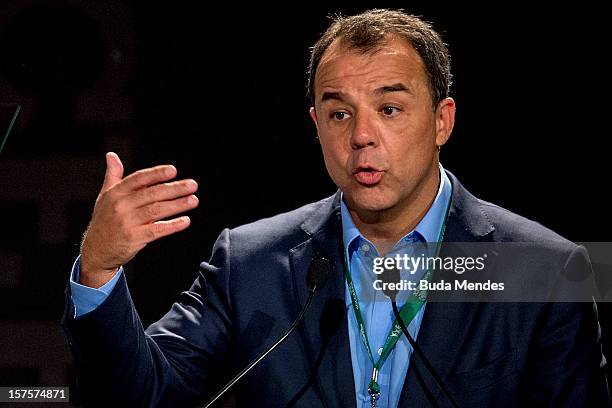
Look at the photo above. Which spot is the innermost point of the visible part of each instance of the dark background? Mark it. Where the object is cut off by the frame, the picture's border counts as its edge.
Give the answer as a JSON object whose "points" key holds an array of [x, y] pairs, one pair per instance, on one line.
{"points": [[219, 91]]}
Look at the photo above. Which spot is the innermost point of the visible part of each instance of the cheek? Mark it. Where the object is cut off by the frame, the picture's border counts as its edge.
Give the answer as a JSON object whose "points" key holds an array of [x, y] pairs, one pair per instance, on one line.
{"points": [[335, 158], [332, 145], [413, 137], [411, 152]]}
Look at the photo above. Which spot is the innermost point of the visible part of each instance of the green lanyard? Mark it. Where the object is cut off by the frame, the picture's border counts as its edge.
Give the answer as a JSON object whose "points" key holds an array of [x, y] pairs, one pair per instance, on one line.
{"points": [[412, 306]]}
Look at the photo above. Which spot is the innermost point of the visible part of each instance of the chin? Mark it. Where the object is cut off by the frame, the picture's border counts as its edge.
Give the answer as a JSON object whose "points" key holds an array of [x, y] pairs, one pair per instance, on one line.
{"points": [[371, 200]]}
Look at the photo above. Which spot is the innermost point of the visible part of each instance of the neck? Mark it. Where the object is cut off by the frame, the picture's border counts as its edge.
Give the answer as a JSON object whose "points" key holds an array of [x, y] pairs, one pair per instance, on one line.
{"points": [[385, 227]]}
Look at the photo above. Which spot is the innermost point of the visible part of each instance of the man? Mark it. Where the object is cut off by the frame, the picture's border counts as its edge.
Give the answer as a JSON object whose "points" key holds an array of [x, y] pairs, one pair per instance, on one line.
{"points": [[379, 85]]}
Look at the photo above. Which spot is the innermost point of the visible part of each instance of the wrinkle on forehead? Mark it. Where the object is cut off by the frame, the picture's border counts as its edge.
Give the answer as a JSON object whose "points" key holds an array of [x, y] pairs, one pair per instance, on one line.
{"points": [[340, 63]]}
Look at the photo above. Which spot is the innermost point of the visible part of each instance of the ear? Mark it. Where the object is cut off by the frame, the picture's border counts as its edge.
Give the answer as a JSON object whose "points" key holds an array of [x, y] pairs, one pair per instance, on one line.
{"points": [[445, 120], [313, 115]]}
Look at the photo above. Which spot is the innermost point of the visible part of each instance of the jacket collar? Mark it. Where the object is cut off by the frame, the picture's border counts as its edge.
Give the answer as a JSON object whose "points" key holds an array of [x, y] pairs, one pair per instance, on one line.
{"points": [[467, 218]]}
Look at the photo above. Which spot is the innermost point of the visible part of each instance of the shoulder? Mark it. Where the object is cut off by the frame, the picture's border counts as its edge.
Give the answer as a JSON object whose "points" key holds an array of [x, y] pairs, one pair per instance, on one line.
{"points": [[510, 226], [265, 245], [483, 218], [532, 241], [282, 231], [524, 253]]}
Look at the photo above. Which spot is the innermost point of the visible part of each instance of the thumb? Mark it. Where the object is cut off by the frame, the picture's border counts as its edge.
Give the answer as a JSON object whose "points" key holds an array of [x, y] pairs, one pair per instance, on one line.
{"points": [[114, 171]]}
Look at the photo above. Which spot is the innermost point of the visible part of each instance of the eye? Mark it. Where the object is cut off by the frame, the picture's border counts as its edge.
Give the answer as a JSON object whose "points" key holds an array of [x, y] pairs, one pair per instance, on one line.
{"points": [[338, 115], [390, 110]]}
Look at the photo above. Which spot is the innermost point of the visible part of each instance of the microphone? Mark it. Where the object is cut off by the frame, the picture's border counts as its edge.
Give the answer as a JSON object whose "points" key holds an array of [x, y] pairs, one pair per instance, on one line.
{"points": [[392, 276], [320, 269]]}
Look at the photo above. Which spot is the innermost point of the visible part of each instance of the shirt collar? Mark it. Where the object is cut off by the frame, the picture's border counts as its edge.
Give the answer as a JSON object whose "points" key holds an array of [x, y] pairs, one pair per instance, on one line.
{"points": [[429, 226]]}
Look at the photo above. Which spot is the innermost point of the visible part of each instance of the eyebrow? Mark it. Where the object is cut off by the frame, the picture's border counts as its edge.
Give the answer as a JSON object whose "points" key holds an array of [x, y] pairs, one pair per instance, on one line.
{"points": [[398, 87], [332, 95]]}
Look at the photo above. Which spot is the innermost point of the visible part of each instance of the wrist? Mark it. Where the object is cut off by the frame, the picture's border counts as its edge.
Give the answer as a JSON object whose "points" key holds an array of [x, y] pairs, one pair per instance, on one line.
{"points": [[93, 276]]}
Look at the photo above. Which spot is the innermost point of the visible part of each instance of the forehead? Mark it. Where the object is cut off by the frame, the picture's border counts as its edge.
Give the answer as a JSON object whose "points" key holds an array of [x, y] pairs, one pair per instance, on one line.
{"points": [[394, 60]]}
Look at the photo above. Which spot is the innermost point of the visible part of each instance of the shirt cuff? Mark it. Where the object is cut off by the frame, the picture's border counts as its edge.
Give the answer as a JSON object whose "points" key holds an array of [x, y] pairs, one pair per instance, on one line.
{"points": [[84, 298]]}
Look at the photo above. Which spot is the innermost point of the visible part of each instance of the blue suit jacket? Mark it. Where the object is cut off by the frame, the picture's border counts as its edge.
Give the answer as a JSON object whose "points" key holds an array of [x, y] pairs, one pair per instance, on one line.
{"points": [[489, 354]]}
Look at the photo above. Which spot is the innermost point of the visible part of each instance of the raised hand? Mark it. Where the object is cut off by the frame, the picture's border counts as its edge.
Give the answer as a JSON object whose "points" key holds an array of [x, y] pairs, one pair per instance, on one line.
{"points": [[129, 213]]}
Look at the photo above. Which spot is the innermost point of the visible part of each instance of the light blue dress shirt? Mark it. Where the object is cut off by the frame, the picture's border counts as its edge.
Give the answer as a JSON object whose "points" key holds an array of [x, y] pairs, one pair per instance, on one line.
{"points": [[84, 298], [376, 309]]}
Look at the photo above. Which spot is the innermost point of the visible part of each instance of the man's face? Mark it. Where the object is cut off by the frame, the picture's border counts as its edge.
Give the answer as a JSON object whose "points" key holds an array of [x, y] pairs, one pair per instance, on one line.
{"points": [[377, 127]]}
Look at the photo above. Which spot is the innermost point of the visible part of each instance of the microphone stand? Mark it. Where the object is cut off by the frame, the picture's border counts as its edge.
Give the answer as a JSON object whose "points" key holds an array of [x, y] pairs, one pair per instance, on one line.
{"points": [[320, 268], [421, 355], [264, 354]]}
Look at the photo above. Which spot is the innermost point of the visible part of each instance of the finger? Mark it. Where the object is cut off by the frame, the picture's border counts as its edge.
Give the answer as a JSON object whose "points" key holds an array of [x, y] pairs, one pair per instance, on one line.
{"points": [[163, 192], [147, 177], [151, 232], [163, 209], [114, 171]]}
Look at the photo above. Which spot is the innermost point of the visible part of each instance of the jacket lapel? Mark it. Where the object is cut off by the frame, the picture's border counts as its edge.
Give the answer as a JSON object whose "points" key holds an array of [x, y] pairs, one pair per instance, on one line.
{"points": [[325, 327], [445, 326]]}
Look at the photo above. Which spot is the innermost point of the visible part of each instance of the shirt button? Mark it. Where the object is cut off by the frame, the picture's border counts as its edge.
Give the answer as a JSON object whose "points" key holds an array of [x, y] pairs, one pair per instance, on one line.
{"points": [[365, 247], [380, 350]]}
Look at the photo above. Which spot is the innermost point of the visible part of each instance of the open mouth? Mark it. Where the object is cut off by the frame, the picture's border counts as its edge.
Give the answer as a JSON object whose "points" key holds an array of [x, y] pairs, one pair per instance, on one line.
{"points": [[368, 176]]}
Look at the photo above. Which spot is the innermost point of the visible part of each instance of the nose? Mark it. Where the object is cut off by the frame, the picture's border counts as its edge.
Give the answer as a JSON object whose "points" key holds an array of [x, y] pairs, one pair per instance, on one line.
{"points": [[364, 132]]}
